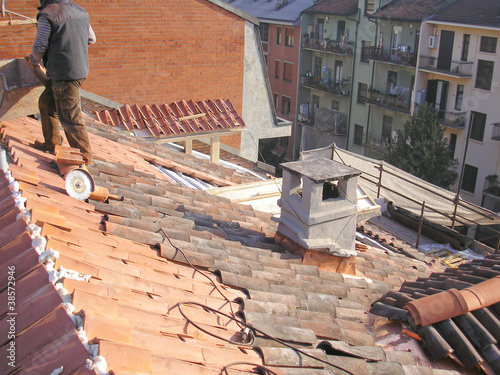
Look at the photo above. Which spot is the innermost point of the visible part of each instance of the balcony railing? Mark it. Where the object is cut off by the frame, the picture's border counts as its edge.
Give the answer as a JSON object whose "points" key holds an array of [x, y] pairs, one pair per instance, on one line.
{"points": [[328, 45], [378, 144], [399, 101], [496, 132], [342, 88], [449, 119], [457, 68], [397, 56]]}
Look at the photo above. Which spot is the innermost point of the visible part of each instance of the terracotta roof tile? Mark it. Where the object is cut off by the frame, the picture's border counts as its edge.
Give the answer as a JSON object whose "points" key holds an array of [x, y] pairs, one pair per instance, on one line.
{"points": [[127, 294], [337, 7], [408, 10], [485, 13]]}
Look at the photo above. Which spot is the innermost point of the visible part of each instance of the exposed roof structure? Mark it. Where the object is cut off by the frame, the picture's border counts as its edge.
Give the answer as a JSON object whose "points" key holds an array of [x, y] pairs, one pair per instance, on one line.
{"points": [[469, 12], [469, 337], [337, 7], [181, 118], [102, 281], [268, 10], [408, 10]]}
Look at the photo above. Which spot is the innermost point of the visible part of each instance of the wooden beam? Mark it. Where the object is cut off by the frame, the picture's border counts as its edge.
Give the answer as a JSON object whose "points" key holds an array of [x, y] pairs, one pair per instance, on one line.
{"points": [[215, 150], [186, 118], [17, 22], [188, 146]]}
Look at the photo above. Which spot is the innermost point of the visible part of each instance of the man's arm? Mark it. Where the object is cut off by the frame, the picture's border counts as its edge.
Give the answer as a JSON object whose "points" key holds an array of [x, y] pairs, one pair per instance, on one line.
{"points": [[41, 42]]}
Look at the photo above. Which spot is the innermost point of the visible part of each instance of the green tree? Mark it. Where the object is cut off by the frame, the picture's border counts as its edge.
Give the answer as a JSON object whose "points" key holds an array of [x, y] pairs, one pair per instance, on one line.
{"points": [[421, 149]]}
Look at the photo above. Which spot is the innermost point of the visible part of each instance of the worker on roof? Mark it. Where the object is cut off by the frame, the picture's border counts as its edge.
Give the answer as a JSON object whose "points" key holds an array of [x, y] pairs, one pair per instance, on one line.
{"points": [[63, 36]]}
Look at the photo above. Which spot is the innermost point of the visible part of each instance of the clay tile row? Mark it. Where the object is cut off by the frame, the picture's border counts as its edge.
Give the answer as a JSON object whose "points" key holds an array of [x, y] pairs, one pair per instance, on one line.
{"points": [[182, 117]]}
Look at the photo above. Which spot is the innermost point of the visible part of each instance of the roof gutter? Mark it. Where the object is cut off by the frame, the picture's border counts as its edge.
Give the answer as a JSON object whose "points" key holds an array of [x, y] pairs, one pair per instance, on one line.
{"points": [[236, 11], [456, 24]]}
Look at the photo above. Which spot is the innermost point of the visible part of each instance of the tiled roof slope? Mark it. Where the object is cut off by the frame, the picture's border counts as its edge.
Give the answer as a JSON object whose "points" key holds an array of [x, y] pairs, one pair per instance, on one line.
{"points": [[472, 338], [338, 7], [266, 10], [471, 12], [178, 118], [408, 10], [122, 289]]}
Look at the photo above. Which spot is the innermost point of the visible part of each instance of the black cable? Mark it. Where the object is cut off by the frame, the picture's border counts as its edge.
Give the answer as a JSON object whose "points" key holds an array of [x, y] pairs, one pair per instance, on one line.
{"points": [[243, 325], [203, 274], [249, 326], [265, 370]]}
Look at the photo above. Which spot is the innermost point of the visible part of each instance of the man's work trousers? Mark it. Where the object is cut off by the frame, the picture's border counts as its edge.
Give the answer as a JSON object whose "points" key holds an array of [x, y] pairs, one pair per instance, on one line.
{"points": [[61, 101]]}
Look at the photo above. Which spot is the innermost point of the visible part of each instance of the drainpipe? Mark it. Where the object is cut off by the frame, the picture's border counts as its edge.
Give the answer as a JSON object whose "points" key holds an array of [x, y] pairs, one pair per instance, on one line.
{"points": [[371, 83], [358, 20]]}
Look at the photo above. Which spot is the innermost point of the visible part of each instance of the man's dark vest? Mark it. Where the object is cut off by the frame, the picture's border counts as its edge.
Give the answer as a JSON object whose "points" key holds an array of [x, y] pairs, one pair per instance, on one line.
{"points": [[66, 57]]}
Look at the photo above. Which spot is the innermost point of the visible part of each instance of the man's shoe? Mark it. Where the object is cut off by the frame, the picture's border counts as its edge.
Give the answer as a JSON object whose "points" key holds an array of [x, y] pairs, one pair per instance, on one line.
{"points": [[43, 147]]}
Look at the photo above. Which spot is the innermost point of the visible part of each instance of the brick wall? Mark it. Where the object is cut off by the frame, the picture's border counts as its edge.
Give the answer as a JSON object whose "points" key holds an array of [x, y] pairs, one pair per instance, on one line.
{"points": [[153, 51]]}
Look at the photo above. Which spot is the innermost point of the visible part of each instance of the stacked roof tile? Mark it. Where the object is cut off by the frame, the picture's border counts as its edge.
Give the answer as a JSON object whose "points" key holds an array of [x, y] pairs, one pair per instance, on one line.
{"points": [[102, 281], [178, 118], [471, 338]]}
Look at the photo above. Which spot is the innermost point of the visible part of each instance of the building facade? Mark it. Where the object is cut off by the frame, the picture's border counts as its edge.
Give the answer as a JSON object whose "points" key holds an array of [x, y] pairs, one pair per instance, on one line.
{"points": [[399, 57]]}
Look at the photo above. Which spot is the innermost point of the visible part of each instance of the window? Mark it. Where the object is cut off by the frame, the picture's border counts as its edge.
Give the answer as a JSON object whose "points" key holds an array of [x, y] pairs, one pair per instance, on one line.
{"points": [[459, 98], [287, 71], [285, 105], [469, 178], [488, 44], [362, 92], [453, 144], [386, 128], [484, 74], [335, 105], [478, 122], [276, 68], [369, 6], [276, 101], [317, 66], [365, 50], [289, 37], [264, 32], [340, 29], [278, 35], [465, 47], [358, 135]]}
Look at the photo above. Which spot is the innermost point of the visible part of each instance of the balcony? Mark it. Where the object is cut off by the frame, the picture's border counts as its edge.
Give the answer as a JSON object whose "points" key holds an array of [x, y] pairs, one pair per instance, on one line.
{"points": [[401, 56], [449, 119], [461, 69], [398, 101], [496, 132], [378, 144], [328, 45], [328, 85]]}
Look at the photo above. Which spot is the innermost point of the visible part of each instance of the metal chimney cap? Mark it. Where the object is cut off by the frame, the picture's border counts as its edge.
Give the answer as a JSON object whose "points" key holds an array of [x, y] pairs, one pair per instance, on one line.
{"points": [[321, 169]]}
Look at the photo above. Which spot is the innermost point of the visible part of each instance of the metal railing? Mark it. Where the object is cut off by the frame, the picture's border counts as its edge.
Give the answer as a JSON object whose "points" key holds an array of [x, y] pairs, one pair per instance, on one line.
{"points": [[496, 132], [342, 88], [395, 56], [328, 45], [398, 102], [457, 68], [378, 144], [450, 119]]}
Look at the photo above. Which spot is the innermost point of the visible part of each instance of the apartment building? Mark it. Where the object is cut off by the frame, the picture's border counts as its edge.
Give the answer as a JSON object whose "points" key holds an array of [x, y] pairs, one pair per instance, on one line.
{"points": [[386, 73], [326, 71], [459, 75], [397, 55], [280, 33]]}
